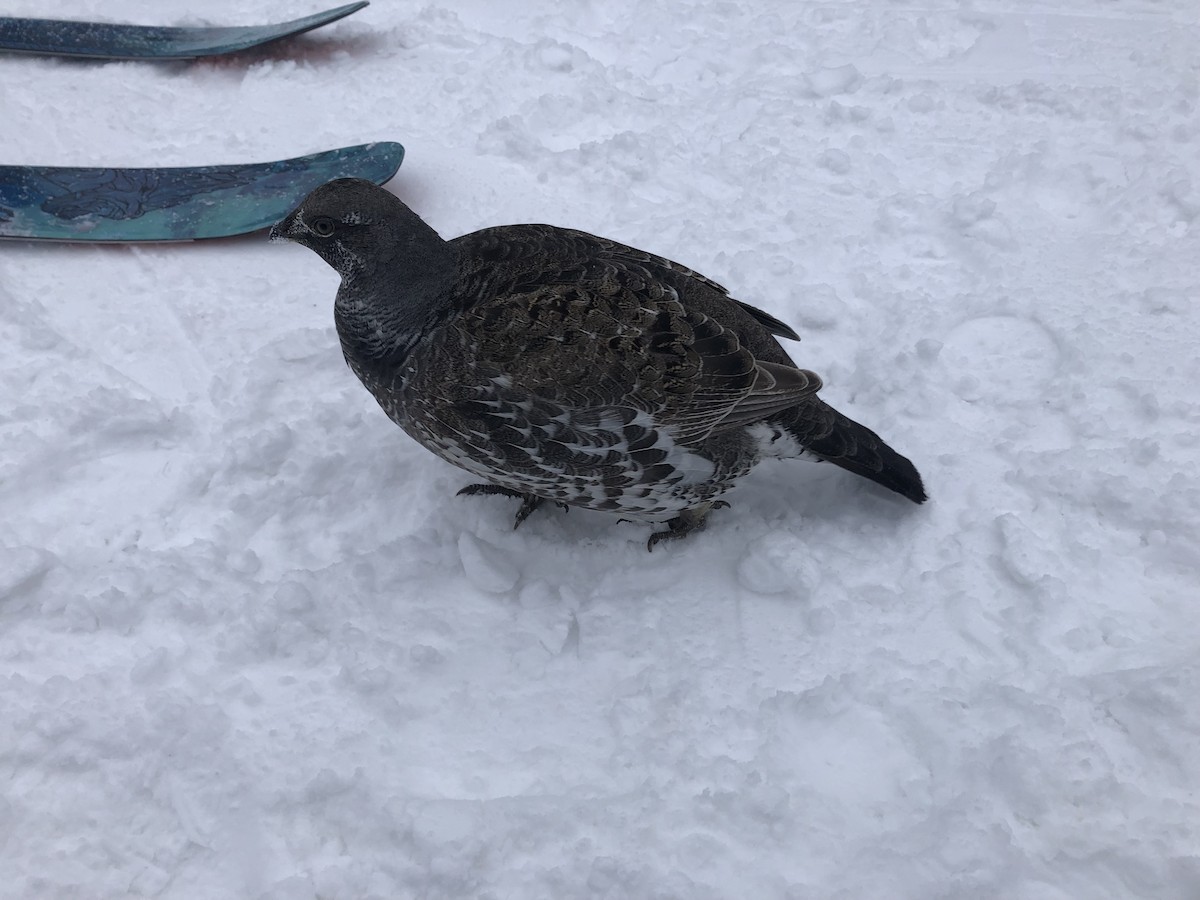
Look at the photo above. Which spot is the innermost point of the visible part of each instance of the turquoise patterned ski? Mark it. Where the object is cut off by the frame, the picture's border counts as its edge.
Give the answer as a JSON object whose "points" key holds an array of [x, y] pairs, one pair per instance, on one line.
{"points": [[174, 204]]}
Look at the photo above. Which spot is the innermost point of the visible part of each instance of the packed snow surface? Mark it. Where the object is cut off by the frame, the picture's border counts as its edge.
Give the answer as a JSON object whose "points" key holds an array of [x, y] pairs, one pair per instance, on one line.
{"points": [[252, 646]]}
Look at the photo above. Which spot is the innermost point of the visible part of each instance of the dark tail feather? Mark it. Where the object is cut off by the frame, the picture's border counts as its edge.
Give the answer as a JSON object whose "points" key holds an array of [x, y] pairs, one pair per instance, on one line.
{"points": [[826, 432]]}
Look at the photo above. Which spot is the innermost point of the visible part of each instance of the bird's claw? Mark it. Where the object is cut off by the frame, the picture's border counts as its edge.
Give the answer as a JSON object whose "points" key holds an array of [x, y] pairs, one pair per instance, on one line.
{"points": [[529, 502], [687, 522]]}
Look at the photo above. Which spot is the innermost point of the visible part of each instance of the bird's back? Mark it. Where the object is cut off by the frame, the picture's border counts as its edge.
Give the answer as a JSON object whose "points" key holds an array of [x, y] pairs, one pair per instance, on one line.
{"points": [[517, 259]]}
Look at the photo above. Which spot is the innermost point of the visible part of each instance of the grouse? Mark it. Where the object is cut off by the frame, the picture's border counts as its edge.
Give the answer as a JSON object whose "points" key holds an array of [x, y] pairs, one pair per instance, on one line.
{"points": [[562, 366]]}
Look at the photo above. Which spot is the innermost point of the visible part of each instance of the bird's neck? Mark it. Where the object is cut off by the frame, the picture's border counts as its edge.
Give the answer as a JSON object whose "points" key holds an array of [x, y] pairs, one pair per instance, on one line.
{"points": [[380, 317]]}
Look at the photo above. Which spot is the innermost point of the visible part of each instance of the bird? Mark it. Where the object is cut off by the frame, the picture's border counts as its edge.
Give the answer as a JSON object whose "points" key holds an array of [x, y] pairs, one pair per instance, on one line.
{"points": [[562, 367]]}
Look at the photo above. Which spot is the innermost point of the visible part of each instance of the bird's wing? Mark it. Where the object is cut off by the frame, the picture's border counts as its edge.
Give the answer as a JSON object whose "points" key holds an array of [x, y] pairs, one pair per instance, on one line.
{"points": [[585, 323], [769, 322]]}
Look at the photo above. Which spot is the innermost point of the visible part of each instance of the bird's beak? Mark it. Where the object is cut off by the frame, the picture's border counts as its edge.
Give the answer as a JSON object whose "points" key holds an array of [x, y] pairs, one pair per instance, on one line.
{"points": [[282, 230]]}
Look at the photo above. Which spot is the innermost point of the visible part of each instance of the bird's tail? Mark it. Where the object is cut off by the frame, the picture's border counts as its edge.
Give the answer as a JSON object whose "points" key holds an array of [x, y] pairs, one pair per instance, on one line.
{"points": [[825, 432]]}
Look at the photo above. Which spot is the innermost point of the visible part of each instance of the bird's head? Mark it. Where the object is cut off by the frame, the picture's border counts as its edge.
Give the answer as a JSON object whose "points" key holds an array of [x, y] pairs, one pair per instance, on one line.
{"points": [[398, 275], [360, 229]]}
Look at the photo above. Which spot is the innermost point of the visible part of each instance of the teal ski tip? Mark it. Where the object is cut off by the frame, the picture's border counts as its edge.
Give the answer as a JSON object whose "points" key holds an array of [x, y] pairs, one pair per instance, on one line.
{"points": [[116, 205], [104, 40]]}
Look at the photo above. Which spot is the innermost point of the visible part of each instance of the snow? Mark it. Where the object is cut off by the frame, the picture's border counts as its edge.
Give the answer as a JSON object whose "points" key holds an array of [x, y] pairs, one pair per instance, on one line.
{"points": [[251, 645]]}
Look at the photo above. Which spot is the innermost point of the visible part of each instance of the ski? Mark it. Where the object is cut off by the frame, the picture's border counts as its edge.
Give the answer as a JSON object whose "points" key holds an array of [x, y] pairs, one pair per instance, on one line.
{"points": [[174, 204], [101, 40]]}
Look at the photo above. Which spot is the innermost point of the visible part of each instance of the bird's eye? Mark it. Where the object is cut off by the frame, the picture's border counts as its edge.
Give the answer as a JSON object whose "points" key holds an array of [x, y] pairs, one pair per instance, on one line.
{"points": [[322, 226]]}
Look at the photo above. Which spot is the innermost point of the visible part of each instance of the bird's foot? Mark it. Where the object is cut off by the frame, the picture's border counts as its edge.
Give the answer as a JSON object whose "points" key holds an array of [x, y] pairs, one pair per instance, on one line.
{"points": [[687, 522], [529, 502]]}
